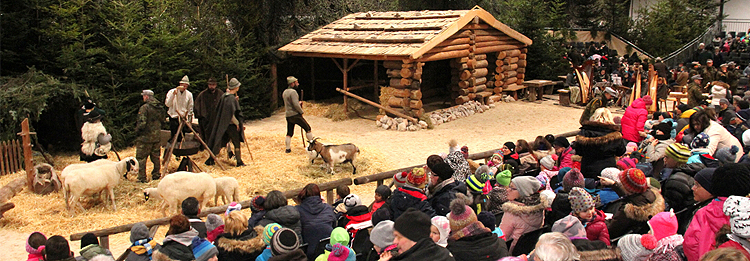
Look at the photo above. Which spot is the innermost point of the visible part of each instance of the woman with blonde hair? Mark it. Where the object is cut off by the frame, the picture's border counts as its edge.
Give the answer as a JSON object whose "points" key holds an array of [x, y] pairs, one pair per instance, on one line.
{"points": [[238, 242], [598, 143], [724, 254]]}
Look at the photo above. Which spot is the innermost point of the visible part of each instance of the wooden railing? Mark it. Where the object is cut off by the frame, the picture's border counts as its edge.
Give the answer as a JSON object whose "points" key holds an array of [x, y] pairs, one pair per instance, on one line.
{"points": [[379, 177], [103, 234], [11, 157]]}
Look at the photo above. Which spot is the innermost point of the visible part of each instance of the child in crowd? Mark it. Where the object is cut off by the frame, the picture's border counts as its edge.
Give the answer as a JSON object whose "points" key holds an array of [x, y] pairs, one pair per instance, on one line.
{"points": [[440, 230], [191, 209], [268, 232], [90, 248], [258, 211], [214, 227], [664, 229], [341, 192], [699, 152], [338, 236], [381, 238], [35, 246], [142, 245], [591, 218], [382, 193], [547, 164], [489, 221]]}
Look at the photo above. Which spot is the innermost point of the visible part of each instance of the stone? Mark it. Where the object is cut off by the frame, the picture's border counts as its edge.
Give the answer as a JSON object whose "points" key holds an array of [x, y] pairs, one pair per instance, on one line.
{"points": [[402, 126]]}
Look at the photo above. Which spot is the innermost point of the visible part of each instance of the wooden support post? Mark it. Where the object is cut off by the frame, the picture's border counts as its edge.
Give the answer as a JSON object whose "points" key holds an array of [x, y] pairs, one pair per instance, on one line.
{"points": [[329, 197], [274, 87], [376, 89], [345, 71], [104, 242], [312, 76], [29, 165]]}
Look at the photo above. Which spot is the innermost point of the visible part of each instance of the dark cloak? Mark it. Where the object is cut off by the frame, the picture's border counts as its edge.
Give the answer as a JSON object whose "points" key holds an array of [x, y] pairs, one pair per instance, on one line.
{"points": [[205, 107], [227, 107]]}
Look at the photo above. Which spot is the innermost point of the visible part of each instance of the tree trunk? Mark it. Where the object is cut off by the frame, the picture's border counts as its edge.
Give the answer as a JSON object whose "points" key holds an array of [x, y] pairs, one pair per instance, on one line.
{"points": [[11, 189], [478, 81], [521, 70], [497, 90], [402, 93]]}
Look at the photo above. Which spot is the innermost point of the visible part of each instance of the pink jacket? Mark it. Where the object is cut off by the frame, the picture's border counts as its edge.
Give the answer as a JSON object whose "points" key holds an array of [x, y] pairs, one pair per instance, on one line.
{"points": [[701, 233], [633, 120], [520, 219], [566, 159]]}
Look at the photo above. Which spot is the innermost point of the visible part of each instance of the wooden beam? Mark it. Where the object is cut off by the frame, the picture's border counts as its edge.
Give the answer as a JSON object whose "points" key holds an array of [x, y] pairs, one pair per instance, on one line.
{"points": [[380, 57], [391, 29], [376, 86], [399, 17], [389, 110], [444, 55], [368, 40]]}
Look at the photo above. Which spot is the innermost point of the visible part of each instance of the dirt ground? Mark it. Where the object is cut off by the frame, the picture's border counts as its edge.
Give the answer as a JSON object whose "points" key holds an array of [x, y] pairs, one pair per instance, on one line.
{"points": [[384, 149]]}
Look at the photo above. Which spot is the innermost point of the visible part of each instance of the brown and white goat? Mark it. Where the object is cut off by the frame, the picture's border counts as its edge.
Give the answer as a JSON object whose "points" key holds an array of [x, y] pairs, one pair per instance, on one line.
{"points": [[334, 154]]}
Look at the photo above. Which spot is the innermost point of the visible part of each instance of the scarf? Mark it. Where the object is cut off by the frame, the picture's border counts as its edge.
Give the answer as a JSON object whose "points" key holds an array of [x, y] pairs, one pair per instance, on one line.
{"points": [[668, 244], [440, 185], [185, 238], [144, 246], [472, 229]]}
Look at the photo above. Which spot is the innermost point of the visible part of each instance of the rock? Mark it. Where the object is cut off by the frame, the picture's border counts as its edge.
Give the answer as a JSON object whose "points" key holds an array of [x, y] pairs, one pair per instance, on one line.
{"points": [[378, 123], [413, 128], [423, 124], [492, 105], [402, 126]]}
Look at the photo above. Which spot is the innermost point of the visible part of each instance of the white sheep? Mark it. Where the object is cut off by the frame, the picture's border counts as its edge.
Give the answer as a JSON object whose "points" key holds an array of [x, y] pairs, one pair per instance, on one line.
{"points": [[95, 178], [227, 187], [176, 187]]}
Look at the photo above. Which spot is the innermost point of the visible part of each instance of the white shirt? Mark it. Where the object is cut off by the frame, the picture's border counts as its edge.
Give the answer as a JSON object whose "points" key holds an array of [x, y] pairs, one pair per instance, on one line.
{"points": [[181, 102]]}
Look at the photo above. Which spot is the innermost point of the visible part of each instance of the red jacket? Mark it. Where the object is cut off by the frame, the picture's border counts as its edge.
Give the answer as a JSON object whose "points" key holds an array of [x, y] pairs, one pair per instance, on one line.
{"points": [[633, 120], [597, 229], [566, 158], [735, 245]]}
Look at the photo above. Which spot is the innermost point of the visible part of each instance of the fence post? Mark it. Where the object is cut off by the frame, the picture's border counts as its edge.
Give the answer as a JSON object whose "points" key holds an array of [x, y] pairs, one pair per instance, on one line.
{"points": [[104, 242], [2, 159], [329, 197], [26, 135]]}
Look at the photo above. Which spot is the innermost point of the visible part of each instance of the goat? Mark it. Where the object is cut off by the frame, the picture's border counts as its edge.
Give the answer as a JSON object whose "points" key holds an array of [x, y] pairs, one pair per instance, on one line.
{"points": [[95, 178], [334, 154]]}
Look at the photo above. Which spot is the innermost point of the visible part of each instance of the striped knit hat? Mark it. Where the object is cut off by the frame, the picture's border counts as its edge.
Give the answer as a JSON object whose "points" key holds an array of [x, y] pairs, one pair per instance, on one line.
{"points": [[284, 241], [417, 178], [400, 179], [268, 232], [678, 152], [475, 185], [633, 181], [461, 215]]}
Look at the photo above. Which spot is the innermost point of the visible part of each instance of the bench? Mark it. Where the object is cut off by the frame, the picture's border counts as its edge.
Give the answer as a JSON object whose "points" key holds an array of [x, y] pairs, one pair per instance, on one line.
{"points": [[514, 88], [536, 88]]}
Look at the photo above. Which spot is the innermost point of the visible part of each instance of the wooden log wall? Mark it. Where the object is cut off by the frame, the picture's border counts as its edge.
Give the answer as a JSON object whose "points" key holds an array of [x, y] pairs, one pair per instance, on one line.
{"points": [[470, 80], [510, 70], [406, 78]]}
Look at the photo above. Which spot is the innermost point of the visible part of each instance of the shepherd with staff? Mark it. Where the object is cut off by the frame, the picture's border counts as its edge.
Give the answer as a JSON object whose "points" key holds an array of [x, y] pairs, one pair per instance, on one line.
{"points": [[293, 107], [227, 124]]}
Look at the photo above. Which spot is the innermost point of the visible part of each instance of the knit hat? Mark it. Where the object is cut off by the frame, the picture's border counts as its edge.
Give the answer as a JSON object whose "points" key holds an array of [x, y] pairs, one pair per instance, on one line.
{"points": [[474, 184], [352, 200], [487, 219], [382, 214], [632, 249], [526, 185], [738, 210], [258, 201], [724, 101], [185, 79], [561, 142], [727, 154], [561, 173], [139, 231], [284, 241], [570, 226], [497, 154], [233, 84], [213, 221], [461, 214], [444, 227], [630, 147], [417, 178], [700, 141], [611, 173], [573, 178], [414, 225], [268, 232], [703, 177], [626, 163], [633, 181], [547, 162], [483, 173], [647, 100], [732, 179], [666, 130], [40, 248], [338, 253], [89, 239], [503, 178], [384, 191], [678, 152], [443, 170], [465, 151], [147, 93], [511, 146], [400, 179], [232, 207], [339, 235], [663, 225], [290, 79], [382, 234], [683, 107], [580, 200]]}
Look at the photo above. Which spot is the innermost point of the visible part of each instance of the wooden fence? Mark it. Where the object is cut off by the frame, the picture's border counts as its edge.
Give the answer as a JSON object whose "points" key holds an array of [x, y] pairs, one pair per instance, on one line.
{"points": [[11, 157]]}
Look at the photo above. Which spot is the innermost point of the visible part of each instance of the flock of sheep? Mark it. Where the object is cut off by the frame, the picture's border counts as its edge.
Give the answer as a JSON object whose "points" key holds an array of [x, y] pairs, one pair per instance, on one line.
{"points": [[94, 178]]}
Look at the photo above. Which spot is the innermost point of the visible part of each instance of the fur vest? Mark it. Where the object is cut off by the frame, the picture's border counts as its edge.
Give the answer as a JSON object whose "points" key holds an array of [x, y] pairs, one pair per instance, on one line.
{"points": [[90, 133]]}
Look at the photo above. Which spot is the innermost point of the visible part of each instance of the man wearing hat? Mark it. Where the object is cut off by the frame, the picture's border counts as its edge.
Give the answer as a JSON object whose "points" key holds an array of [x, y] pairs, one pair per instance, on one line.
{"points": [[96, 141], [694, 94], [682, 78], [227, 126], [726, 113], [596, 103], [411, 234], [147, 127], [708, 73], [180, 103], [695, 69], [205, 106], [443, 188], [293, 107]]}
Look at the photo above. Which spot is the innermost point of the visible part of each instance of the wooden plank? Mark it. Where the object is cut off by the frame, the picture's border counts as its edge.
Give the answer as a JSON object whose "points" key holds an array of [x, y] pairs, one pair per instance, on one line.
{"points": [[443, 55], [497, 48], [447, 48], [493, 38], [401, 17], [454, 41], [477, 26], [480, 32], [390, 29], [3, 166], [13, 155]]}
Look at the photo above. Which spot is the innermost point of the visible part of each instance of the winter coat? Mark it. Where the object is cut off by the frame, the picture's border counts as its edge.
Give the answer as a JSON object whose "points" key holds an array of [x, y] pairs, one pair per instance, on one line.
{"points": [[566, 158], [407, 197], [560, 207], [173, 251], [512, 160], [198, 224], [317, 220], [694, 95], [719, 137], [527, 162], [296, 255], [583, 244], [677, 188], [255, 218], [736, 245], [717, 93], [598, 144], [354, 216], [444, 193], [425, 250], [655, 153], [634, 212], [597, 229], [242, 247], [484, 246], [286, 216], [633, 120], [90, 251], [133, 256], [519, 219], [701, 233]]}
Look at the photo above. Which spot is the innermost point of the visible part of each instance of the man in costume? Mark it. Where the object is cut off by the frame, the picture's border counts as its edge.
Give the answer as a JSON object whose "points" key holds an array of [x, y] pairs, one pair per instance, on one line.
{"points": [[148, 128], [227, 124], [294, 112], [205, 106], [180, 103]]}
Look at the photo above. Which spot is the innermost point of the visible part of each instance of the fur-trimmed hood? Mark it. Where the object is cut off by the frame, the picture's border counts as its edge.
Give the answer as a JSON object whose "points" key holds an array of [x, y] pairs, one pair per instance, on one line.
{"points": [[518, 208], [248, 242], [588, 139], [654, 205]]}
